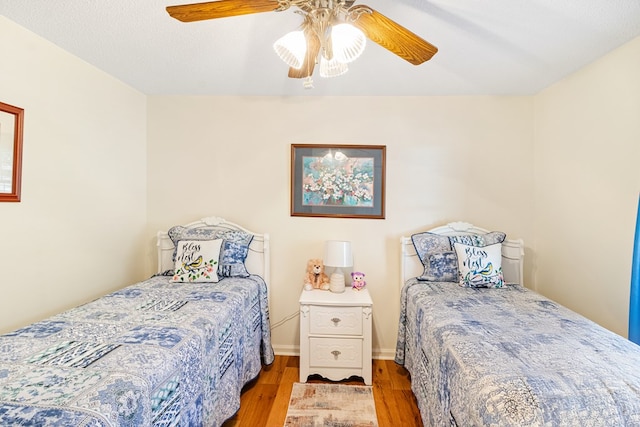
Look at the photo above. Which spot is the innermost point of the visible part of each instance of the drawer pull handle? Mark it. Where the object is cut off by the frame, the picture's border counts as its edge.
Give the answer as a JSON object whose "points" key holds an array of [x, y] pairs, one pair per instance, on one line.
{"points": [[335, 353], [335, 321]]}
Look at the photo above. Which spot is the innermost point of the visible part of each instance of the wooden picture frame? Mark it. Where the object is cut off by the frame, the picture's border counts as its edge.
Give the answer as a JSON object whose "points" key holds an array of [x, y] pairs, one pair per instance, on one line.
{"points": [[11, 128], [338, 181]]}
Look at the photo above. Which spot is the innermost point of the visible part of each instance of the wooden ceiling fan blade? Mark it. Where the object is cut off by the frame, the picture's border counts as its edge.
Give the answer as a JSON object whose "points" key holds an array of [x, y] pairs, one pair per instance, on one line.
{"points": [[313, 48], [392, 36], [220, 9]]}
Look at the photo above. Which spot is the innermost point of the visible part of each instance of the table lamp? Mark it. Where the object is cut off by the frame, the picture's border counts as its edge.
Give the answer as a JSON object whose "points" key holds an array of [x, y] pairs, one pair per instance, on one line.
{"points": [[337, 254]]}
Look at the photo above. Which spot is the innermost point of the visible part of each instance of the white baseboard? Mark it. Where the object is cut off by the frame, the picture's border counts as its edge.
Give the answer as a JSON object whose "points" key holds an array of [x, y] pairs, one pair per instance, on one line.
{"points": [[384, 353], [287, 350]]}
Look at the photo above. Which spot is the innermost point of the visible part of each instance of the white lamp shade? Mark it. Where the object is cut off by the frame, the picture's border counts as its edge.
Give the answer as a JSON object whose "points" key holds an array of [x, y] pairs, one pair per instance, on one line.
{"points": [[291, 48], [332, 67], [348, 42], [337, 254]]}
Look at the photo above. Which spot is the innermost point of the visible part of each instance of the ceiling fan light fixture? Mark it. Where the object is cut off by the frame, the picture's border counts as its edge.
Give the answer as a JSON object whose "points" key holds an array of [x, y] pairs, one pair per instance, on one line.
{"points": [[291, 48], [348, 42], [332, 67], [332, 29]]}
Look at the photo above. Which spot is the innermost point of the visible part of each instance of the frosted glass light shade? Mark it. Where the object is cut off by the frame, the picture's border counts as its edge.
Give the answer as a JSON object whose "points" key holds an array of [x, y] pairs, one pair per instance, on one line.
{"points": [[348, 42], [332, 68], [291, 48]]}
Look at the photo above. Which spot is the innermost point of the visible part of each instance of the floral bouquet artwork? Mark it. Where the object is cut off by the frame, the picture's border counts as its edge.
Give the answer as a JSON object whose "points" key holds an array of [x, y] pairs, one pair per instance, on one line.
{"points": [[338, 180]]}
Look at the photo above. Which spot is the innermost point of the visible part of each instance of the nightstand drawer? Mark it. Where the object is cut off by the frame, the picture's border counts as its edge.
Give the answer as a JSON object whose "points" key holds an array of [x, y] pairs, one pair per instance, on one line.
{"points": [[332, 352], [335, 320]]}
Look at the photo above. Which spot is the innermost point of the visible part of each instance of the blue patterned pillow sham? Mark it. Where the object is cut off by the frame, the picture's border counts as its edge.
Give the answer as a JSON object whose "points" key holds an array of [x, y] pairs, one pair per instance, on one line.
{"points": [[438, 256], [179, 232], [478, 239], [441, 267], [431, 249], [234, 250]]}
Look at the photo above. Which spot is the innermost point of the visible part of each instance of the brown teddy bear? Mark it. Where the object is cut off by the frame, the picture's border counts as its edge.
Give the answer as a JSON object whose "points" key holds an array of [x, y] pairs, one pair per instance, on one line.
{"points": [[315, 277]]}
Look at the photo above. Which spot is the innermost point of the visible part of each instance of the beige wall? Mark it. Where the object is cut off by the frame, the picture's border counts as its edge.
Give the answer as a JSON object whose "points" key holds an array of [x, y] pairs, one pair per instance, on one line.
{"points": [[79, 230], [448, 158], [106, 167], [587, 169]]}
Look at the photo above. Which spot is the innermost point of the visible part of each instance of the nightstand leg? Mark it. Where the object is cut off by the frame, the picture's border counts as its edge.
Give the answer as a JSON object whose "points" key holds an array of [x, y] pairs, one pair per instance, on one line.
{"points": [[366, 347], [304, 343]]}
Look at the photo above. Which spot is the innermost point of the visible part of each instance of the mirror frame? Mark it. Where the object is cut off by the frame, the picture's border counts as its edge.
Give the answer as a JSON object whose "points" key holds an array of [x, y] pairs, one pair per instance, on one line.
{"points": [[16, 178]]}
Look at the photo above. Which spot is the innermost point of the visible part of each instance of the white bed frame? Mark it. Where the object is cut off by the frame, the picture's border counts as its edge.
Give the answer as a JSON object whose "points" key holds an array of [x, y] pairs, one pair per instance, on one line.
{"points": [[258, 258], [512, 253]]}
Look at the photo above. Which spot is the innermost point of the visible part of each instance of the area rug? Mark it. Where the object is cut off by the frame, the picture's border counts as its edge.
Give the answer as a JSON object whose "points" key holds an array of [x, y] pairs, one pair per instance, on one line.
{"points": [[334, 405]]}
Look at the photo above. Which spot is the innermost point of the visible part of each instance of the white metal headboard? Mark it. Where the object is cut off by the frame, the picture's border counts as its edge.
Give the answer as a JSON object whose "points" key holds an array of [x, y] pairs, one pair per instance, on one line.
{"points": [[512, 253], [257, 261]]}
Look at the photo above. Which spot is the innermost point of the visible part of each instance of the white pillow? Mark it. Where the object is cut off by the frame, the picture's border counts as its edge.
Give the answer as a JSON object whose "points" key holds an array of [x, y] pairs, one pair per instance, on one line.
{"points": [[480, 266], [197, 261]]}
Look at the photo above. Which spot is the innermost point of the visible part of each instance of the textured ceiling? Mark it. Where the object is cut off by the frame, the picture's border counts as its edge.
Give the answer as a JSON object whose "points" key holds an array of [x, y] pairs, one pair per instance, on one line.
{"points": [[499, 47]]}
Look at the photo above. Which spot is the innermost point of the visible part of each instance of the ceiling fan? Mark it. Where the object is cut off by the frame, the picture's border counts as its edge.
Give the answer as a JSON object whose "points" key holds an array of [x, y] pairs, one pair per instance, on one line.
{"points": [[317, 41]]}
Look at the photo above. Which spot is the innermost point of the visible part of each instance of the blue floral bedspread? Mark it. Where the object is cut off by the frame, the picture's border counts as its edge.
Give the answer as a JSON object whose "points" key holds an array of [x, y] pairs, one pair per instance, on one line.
{"points": [[511, 357], [153, 354]]}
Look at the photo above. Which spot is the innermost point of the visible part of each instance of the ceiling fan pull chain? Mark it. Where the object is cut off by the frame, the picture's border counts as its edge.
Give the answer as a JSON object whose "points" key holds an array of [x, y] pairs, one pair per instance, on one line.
{"points": [[308, 83]]}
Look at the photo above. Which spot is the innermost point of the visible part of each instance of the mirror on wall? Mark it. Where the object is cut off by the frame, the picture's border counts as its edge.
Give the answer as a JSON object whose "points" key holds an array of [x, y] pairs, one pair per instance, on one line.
{"points": [[11, 123]]}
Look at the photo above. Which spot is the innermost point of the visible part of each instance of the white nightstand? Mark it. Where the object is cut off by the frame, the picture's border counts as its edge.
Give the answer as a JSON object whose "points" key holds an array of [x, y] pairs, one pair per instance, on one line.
{"points": [[335, 334]]}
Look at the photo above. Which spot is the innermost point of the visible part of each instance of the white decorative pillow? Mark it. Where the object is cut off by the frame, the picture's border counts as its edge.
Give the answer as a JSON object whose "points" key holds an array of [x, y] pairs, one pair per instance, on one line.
{"points": [[480, 266], [197, 261]]}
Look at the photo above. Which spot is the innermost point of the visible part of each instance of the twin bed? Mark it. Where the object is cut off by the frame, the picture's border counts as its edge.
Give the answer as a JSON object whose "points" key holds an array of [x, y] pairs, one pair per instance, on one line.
{"points": [[173, 350], [505, 355]]}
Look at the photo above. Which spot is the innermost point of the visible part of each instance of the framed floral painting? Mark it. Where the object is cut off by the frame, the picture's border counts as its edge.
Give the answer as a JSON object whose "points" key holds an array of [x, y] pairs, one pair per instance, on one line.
{"points": [[340, 181]]}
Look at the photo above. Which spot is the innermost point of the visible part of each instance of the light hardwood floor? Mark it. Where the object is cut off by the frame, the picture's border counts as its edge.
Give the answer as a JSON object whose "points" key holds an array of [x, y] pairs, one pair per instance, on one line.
{"points": [[265, 400]]}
